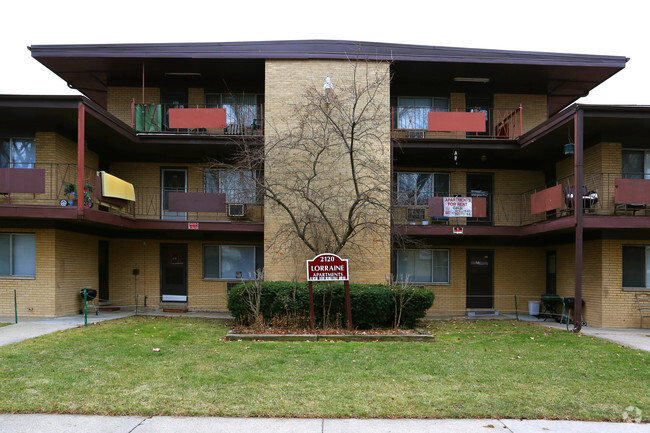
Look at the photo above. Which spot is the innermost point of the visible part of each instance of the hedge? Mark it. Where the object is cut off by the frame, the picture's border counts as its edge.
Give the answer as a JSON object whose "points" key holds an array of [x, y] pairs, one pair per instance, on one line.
{"points": [[373, 305]]}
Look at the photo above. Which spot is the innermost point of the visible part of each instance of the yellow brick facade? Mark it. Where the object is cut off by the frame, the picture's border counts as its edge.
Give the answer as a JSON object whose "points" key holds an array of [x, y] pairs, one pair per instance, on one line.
{"points": [[285, 84], [120, 99]]}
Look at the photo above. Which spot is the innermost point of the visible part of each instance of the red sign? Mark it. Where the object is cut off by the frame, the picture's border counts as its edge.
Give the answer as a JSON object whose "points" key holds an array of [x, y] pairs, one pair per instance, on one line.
{"points": [[327, 267], [193, 226]]}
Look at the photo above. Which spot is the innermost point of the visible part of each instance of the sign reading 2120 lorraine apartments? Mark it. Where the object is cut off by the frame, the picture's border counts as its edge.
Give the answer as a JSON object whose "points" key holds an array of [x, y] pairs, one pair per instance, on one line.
{"points": [[459, 207], [327, 267]]}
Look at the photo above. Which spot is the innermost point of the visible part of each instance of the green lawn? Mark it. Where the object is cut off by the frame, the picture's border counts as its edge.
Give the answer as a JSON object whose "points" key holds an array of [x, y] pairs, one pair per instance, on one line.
{"points": [[475, 369]]}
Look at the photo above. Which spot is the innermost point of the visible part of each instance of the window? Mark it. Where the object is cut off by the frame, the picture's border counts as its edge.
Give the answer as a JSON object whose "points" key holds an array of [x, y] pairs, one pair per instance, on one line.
{"points": [[17, 255], [423, 266], [414, 189], [636, 164], [239, 185], [636, 266], [232, 262], [413, 113], [240, 109], [17, 153]]}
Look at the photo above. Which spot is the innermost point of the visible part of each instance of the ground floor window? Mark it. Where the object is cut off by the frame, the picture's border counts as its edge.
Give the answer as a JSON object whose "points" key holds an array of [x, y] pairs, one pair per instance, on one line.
{"points": [[232, 262], [423, 266], [17, 255], [636, 266]]}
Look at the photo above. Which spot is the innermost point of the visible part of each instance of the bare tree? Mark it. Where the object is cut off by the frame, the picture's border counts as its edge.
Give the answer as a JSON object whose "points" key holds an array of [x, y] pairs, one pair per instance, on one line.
{"points": [[252, 295], [402, 291], [327, 161]]}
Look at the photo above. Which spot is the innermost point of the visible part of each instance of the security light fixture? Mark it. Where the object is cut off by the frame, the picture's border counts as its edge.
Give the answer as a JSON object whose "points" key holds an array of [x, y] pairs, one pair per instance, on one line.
{"points": [[182, 74], [471, 80]]}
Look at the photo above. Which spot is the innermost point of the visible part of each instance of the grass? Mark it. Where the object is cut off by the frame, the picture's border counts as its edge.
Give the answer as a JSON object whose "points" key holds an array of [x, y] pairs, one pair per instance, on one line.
{"points": [[475, 369]]}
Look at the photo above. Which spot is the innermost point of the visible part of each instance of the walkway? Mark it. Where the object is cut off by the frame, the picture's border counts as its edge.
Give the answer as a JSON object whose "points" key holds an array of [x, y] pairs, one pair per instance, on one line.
{"points": [[162, 424]]}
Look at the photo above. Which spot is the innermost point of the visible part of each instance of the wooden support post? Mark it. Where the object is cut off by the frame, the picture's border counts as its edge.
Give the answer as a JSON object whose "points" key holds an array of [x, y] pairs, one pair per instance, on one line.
{"points": [[348, 304], [578, 208], [312, 318], [81, 158]]}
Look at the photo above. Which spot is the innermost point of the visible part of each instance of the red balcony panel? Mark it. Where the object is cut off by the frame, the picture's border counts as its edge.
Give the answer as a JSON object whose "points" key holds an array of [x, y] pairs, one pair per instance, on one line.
{"points": [[632, 191], [22, 180], [442, 121], [193, 118], [545, 200], [479, 207], [197, 202], [436, 206]]}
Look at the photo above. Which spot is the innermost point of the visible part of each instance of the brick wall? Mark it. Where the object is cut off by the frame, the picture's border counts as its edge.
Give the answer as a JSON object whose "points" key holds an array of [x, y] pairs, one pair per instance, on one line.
{"points": [[285, 85], [119, 100], [518, 271], [144, 255], [76, 268]]}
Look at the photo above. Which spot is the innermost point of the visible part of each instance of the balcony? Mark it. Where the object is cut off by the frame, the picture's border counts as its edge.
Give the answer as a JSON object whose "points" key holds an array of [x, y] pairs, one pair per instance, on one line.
{"points": [[230, 120], [26, 192], [603, 195], [425, 123]]}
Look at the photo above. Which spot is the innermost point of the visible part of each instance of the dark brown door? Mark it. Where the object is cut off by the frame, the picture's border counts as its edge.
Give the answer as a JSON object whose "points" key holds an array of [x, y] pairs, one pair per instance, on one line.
{"points": [[173, 272], [480, 279], [102, 270], [481, 185], [551, 272]]}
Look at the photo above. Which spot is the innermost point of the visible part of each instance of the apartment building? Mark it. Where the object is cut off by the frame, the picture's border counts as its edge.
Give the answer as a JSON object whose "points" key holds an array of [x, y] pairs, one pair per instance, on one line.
{"points": [[164, 222]]}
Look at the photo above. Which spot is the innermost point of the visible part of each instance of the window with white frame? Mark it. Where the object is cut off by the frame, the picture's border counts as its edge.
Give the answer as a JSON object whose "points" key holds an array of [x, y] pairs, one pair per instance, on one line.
{"points": [[17, 255], [413, 112], [240, 186], [414, 189], [17, 153], [232, 262], [636, 164], [423, 266], [636, 266]]}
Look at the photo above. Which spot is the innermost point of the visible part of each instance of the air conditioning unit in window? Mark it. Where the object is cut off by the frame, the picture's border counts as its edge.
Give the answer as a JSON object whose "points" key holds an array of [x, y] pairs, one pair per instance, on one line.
{"points": [[236, 210], [416, 134], [415, 214]]}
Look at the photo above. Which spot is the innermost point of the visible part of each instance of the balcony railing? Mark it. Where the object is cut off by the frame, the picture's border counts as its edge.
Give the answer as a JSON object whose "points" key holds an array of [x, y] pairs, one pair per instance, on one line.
{"points": [[229, 120], [428, 123], [153, 203], [58, 186], [602, 194]]}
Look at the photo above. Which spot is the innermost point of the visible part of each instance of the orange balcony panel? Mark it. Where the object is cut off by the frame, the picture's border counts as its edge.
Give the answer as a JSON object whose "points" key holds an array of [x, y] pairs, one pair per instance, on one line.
{"points": [[192, 118], [545, 200], [442, 121]]}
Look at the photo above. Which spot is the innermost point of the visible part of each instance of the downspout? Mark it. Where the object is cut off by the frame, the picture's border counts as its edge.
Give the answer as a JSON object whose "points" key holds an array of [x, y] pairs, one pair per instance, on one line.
{"points": [[579, 215], [81, 157]]}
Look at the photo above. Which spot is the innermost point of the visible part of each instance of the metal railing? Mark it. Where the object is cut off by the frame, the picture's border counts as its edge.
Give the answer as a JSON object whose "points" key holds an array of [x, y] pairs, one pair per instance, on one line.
{"points": [[150, 203], [241, 120], [413, 122], [515, 209]]}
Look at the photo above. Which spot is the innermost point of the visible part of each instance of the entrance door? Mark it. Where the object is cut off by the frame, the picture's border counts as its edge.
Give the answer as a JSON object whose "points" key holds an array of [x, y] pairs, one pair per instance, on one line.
{"points": [[480, 185], [551, 272], [173, 180], [173, 272], [480, 279], [173, 98], [102, 270]]}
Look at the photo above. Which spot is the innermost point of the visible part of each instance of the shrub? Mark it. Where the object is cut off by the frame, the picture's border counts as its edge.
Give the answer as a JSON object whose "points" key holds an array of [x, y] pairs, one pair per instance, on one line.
{"points": [[373, 305]]}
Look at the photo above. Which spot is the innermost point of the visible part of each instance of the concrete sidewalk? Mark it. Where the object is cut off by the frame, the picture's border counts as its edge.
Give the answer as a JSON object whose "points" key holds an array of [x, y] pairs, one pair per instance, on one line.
{"points": [[162, 424], [26, 329]]}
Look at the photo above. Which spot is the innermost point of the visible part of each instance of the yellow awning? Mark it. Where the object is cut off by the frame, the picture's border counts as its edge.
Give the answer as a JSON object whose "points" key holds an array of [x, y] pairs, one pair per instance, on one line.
{"points": [[115, 187]]}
